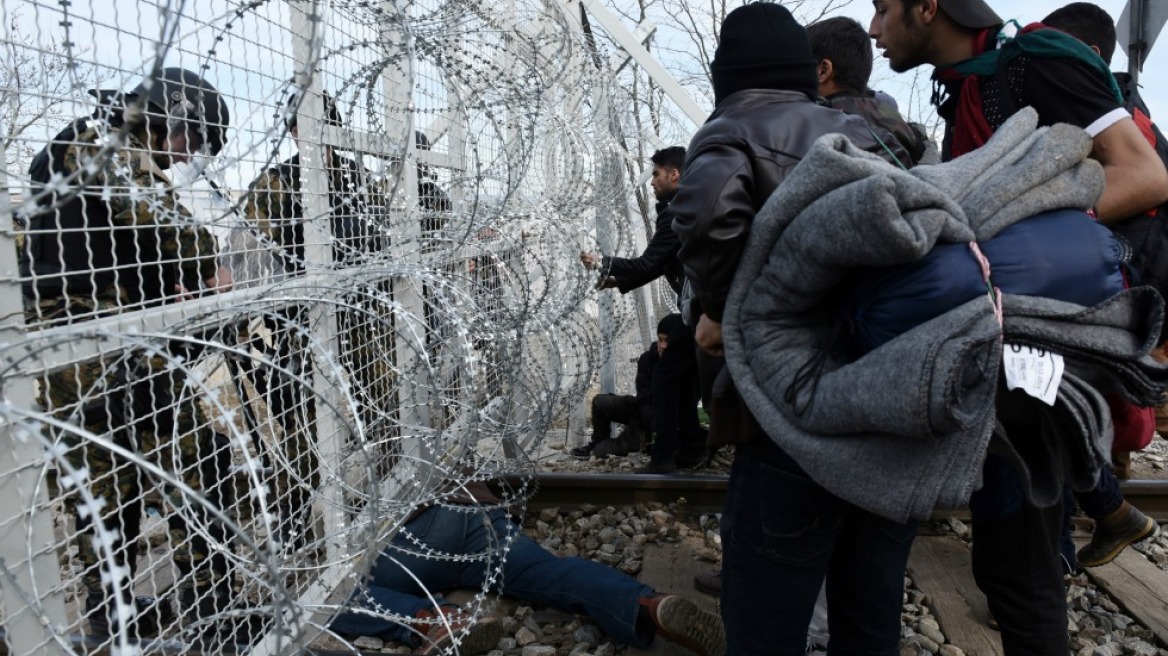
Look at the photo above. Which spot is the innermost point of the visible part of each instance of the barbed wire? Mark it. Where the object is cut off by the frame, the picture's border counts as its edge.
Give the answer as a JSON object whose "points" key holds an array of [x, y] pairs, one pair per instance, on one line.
{"points": [[405, 317]]}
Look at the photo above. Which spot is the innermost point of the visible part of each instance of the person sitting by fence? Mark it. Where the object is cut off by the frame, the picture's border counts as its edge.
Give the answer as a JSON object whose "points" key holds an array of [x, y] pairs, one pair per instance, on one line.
{"points": [[472, 526], [635, 412], [669, 405]]}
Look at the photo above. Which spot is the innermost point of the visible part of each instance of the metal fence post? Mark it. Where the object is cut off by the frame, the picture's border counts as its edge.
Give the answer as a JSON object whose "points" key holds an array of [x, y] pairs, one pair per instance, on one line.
{"points": [[30, 575]]}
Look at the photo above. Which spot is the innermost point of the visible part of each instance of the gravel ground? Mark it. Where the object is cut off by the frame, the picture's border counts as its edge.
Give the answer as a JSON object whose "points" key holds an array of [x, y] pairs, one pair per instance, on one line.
{"points": [[1152, 462], [617, 537], [1097, 624]]}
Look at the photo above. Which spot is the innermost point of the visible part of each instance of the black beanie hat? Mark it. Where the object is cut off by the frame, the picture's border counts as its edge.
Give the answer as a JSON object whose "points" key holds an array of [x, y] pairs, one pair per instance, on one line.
{"points": [[669, 323], [761, 46]]}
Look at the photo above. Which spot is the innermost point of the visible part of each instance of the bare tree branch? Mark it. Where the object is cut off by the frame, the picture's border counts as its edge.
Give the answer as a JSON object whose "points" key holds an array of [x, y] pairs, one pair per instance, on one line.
{"points": [[36, 86]]}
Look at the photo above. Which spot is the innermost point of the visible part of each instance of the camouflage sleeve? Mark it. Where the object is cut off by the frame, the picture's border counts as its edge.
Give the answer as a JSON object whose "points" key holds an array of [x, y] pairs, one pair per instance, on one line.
{"points": [[146, 201], [263, 207]]}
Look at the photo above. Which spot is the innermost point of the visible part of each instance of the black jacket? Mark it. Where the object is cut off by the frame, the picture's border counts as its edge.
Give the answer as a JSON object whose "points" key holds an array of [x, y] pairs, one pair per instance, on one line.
{"points": [[905, 142], [746, 148], [659, 258], [645, 365]]}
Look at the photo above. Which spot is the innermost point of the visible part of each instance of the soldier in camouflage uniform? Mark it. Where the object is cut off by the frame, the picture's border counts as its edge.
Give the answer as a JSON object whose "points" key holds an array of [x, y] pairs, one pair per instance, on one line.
{"points": [[844, 52], [276, 207], [113, 238]]}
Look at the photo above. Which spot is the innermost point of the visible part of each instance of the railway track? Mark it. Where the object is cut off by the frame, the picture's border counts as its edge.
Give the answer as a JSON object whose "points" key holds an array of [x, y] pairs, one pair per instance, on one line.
{"points": [[940, 564], [705, 493]]}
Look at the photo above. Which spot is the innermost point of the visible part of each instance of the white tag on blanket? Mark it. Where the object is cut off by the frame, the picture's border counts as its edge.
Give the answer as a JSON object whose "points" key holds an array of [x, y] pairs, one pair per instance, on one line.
{"points": [[1035, 371]]}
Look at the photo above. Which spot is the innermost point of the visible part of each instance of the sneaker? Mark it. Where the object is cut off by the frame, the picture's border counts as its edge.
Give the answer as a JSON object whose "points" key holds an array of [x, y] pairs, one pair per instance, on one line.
{"points": [[1113, 533], [460, 634], [679, 620], [582, 452], [667, 467], [709, 583]]}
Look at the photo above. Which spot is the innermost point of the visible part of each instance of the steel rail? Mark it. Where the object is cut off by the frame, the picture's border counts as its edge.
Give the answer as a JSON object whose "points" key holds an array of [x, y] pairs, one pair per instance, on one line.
{"points": [[707, 493]]}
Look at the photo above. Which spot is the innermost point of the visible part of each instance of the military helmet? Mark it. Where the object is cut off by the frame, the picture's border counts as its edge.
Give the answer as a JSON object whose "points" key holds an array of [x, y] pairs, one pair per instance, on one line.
{"points": [[177, 97]]}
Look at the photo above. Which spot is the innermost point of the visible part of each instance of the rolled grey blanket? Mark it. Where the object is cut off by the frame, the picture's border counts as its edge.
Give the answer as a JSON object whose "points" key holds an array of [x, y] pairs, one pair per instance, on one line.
{"points": [[904, 429]]}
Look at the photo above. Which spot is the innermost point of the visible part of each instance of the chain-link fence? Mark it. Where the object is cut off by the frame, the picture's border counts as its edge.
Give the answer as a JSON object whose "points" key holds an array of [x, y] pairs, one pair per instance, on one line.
{"points": [[274, 272]]}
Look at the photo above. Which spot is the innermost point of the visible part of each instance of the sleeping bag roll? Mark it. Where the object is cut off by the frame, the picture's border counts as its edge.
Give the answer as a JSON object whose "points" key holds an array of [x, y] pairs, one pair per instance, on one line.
{"points": [[1064, 255]]}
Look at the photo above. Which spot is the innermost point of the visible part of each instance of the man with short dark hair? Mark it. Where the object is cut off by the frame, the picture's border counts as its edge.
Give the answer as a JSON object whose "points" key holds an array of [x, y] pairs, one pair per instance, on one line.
{"points": [[985, 71], [844, 52], [1088, 23], [950, 33], [660, 256]]}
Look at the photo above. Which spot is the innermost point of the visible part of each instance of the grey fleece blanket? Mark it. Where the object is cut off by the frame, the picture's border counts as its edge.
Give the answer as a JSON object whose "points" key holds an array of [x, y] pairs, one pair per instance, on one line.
{"points": [[905, 428]]}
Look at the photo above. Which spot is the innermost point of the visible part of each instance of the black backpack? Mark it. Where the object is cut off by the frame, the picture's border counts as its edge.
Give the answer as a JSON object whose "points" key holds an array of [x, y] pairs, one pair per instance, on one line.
{"points": [[1147, 233]]}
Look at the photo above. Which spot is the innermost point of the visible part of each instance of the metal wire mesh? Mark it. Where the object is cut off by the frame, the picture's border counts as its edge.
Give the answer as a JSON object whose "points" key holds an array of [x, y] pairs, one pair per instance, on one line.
{"points": [[244, 342]]}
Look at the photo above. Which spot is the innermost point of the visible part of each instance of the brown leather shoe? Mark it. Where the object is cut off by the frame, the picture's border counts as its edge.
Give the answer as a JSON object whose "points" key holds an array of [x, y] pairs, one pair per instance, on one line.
{"points": [[709, 583], [679, 620]]}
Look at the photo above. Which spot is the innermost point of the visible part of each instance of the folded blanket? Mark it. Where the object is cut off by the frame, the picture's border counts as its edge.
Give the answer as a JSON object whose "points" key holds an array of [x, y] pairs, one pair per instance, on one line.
{"points": [[904, 429]]}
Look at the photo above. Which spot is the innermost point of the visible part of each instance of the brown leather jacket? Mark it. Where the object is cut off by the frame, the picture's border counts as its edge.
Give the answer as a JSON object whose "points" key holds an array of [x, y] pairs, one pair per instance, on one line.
{"points": [[746, 148]]}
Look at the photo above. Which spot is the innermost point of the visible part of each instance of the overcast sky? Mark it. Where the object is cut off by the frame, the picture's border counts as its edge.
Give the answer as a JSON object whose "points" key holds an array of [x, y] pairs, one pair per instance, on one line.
{"points": [[1153, 79], [251, 62]]}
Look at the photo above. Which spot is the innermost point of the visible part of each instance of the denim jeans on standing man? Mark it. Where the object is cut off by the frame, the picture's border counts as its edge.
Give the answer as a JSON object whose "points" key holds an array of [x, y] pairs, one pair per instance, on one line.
{"points": [[1016, 561], [782, 534]]}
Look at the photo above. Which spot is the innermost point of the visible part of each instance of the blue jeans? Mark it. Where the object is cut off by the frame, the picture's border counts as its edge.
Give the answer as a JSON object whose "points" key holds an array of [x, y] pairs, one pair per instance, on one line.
{"points": [[782, 534], [399, 581]]}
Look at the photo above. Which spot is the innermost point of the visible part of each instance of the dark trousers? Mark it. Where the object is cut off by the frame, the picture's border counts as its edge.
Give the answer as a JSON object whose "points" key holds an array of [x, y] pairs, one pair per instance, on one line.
{"points": [[621, 408], [675, 397], [782, 535], [1016, 563], [1104, 499], [708, 368]]}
